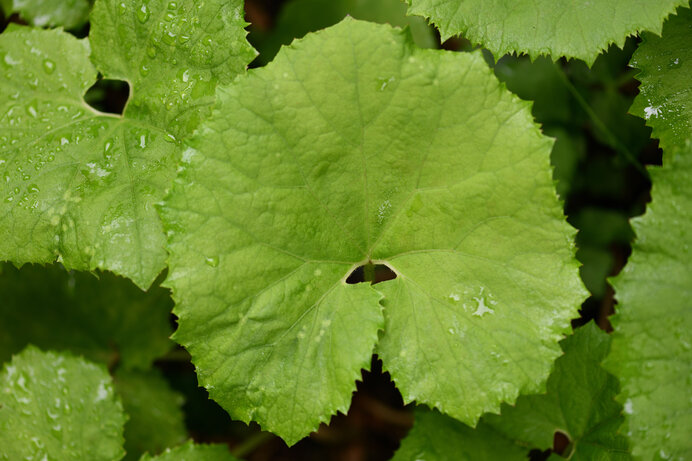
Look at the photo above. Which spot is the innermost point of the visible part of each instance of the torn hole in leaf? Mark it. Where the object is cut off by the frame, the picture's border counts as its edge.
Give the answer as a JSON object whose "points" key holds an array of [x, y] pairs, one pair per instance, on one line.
{"points": [[562, 445], [371, 273], [108, 95]]}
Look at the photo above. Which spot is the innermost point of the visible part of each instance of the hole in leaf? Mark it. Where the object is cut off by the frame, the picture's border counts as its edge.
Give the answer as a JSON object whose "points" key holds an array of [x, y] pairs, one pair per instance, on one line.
{"points": [[562, 445], [372, 273], [108, 96]]}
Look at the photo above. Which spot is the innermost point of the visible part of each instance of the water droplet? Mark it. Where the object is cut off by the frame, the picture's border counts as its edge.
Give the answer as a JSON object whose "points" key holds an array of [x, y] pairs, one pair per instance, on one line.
{"points": [[482, 307], [675, 63], [151, 51], [382, 83], [9, 60], [122, 8], [48, 66], [212, 261], [169, 37], [143, 14], [144, 70], [172, 5]]}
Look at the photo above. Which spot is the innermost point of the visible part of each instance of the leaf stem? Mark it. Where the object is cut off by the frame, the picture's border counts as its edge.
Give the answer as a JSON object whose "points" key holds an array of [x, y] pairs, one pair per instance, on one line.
{"points": [[369, 272], [610, 137], [251, 443]]}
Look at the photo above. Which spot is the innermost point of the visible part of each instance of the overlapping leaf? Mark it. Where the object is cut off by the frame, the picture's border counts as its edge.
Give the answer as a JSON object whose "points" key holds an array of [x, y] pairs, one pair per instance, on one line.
{"points": [[106, 319], [355, 146], [579, 403], [79, 185], [65, 13], [56, 406], [652, 344], [576, 29]]}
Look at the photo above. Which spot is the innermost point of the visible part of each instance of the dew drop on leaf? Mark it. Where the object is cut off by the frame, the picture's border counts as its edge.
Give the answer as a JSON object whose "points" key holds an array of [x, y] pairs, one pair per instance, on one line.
{"points": [[143, 13]]}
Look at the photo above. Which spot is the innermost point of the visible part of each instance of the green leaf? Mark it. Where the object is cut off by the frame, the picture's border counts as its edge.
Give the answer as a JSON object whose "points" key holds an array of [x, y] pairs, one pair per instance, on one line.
{"points": [[438, 437], [155, 411], [66, 13], [575, 29], [579, 403], [106, 319], [652, 342], [299, 17], [56, 406], [192, 452], [354, 145], [665, 65], [80, 185]]}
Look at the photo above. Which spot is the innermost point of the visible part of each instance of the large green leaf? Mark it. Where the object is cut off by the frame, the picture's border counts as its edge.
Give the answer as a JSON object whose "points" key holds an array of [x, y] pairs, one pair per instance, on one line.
{"points": [[352, 146], [106, 319], [80, 185], [652, 344], [156, 417], [573, 28], [579, 403], [59, 407], [298, 17], [65, 13]]}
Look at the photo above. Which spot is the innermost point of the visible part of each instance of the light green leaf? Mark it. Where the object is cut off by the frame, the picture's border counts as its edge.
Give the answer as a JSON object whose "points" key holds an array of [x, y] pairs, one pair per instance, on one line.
{"points": [[192, 452], [56, 406], [579, 403], [572, 28], [155, 411], [80, 185], [106, 319], [652, 343], [66, 13], [298, 17], [355, 145]]}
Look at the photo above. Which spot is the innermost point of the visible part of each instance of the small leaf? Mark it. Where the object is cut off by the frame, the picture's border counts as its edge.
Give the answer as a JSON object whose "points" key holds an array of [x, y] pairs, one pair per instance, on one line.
{"points": [[353, 146], [56, 406], [192, 452], [438, 437], [572, 28]]}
